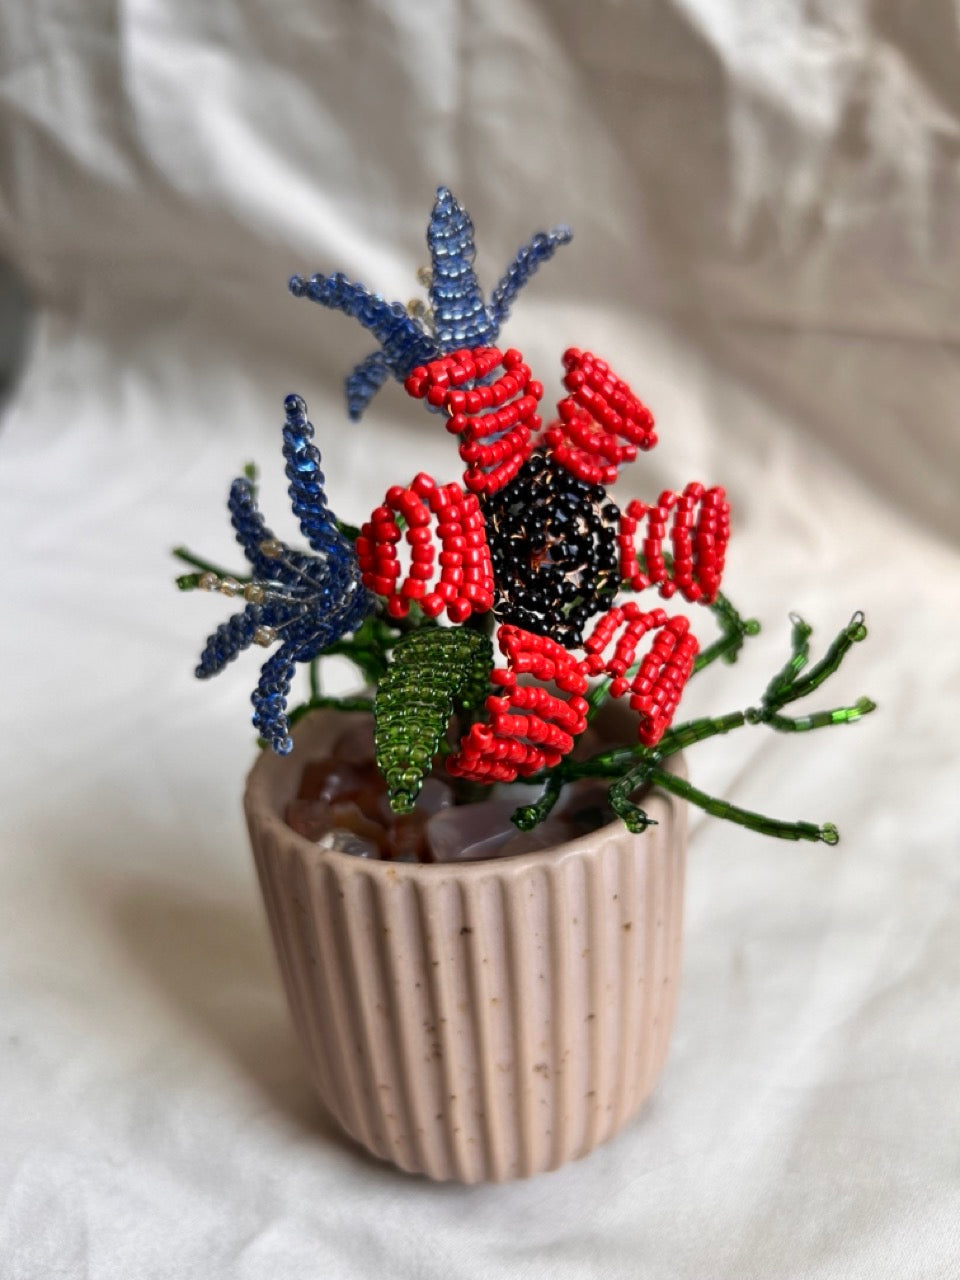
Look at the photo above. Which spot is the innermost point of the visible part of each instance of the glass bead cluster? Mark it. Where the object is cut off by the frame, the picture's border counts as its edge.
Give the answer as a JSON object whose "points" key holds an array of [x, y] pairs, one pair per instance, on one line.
{"points": [[526, 545]]}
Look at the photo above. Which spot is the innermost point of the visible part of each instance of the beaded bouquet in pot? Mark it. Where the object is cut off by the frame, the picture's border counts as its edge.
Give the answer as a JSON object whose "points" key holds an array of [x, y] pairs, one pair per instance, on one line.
{"points": [[494, 615]]}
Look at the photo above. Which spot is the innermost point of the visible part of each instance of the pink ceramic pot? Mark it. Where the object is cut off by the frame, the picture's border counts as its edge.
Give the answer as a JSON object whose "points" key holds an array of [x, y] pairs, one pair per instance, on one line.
{"points": [[475, 1021]]}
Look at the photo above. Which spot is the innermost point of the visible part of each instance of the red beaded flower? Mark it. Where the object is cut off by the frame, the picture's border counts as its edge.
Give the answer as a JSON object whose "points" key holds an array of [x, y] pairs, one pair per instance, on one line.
{"points": [[529, 728], [432, 514], [491, 401]]}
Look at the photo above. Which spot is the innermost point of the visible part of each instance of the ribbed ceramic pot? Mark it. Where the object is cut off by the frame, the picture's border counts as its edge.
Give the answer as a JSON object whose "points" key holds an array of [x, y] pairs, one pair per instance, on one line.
{"points": [[475, 1021]]}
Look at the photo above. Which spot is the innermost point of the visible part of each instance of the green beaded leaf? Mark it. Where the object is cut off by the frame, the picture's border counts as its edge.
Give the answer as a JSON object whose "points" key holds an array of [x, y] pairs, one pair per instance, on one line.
{"points": [[435, 670]]}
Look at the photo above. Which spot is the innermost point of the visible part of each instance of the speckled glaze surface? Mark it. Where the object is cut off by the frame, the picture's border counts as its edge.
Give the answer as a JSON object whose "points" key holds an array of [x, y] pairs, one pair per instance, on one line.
{"points": [[476, 1021]]}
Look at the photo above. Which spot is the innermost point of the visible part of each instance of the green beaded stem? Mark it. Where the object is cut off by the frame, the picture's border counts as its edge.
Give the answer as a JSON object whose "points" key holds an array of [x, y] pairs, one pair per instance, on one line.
{"points": [[851, 634], [820, 719], [316, 690], [827, 833], [799, 655], [694, 731], [606, 764], [634, 818], [734, 630], [531, 815], [434, 671], [190, 581], [347, 530]]}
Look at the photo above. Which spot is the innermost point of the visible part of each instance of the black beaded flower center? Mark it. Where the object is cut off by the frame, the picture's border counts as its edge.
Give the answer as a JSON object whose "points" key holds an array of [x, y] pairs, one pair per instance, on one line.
{"points": [[553, 543]]}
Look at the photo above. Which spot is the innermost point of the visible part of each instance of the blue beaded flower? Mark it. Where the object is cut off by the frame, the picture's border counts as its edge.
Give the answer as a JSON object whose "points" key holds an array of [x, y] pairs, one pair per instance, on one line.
{"points": [[459, 316], [305, 601]]}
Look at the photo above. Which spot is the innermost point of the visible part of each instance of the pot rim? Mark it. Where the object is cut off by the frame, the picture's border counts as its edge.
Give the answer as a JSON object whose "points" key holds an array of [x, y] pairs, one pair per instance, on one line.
{"points": [[262, 804]]}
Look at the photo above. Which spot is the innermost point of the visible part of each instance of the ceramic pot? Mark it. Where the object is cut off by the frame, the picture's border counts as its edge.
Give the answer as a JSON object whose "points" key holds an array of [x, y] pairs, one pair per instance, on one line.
{"points": [[474, 1021]]}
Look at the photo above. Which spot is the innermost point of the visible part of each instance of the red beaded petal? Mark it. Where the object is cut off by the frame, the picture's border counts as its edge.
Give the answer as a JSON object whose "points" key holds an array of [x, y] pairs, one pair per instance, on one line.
{"points": [[434, 516], [601, 423], [529, 728], [541, 657], [663, 672], [633, 623], [699, 534], [656, 688], [496, 421]]}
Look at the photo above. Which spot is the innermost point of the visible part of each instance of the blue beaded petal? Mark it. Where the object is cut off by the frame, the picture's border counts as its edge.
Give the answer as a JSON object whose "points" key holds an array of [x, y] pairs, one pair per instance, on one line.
{"points": [[310, 599], [270, 699], [229, 639], [306, 490], [404, 341], [252, 530], [460, 315], [249, 526], [539, 250], [364, 383]]}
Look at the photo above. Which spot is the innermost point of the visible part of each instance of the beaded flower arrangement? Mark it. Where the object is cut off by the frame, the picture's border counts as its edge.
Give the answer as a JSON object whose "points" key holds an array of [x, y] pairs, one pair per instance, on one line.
{"points": [[527, 549]]}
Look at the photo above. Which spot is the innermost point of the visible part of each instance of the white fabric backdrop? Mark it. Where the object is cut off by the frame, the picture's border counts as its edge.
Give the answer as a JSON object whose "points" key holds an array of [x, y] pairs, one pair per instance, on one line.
{"points": [[768, 247]]}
